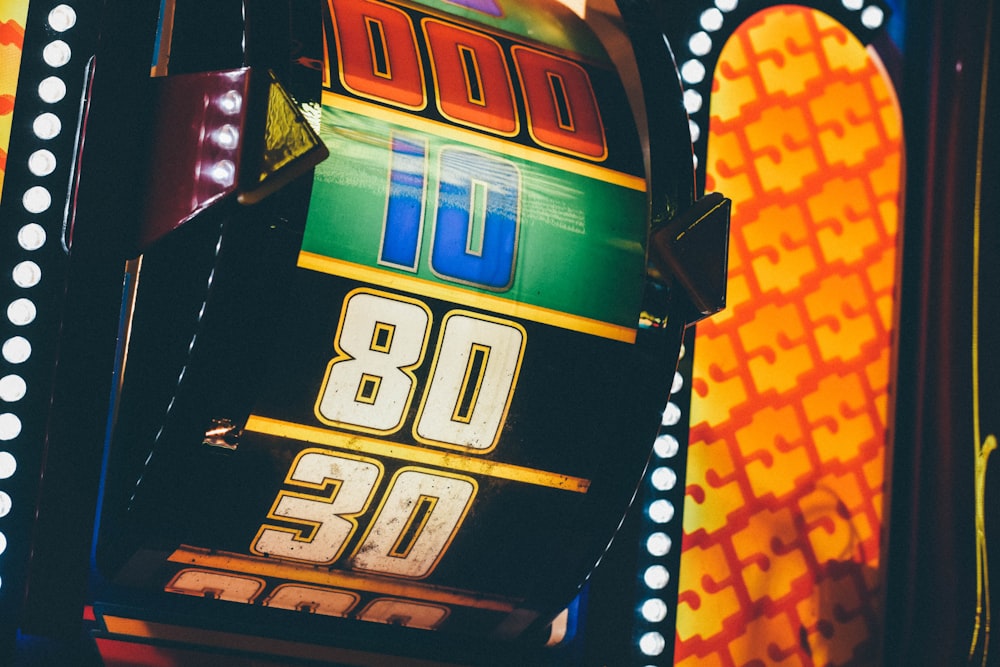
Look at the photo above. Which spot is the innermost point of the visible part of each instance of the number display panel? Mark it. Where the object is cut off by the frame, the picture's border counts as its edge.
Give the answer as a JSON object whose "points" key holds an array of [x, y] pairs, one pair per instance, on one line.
{"points": [[440, 393]]}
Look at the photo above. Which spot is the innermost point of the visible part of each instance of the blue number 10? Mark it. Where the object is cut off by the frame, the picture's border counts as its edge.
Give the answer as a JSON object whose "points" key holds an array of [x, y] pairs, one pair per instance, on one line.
{"points": [[474, 238]]}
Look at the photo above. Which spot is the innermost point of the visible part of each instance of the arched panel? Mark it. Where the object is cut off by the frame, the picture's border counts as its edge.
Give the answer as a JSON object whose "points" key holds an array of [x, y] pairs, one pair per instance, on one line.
{"points": [[790, 389]]}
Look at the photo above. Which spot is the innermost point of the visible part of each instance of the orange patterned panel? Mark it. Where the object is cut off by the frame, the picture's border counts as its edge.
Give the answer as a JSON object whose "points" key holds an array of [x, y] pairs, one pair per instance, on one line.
{"points": [[12, 17], [785, 468]]}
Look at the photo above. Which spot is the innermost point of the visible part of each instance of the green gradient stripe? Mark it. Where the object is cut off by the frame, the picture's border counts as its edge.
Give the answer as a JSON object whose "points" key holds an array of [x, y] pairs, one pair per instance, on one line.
{"points": [[581, 245]]}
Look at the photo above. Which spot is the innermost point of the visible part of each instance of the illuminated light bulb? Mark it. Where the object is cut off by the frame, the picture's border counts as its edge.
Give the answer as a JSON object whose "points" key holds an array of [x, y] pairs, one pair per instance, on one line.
{"points": [[10, 426], [3, 543], [666, 446], [677, 384], [700, 43], [695, 130], [661, 511], [16, 350], [56, 53], [872, 17], [8, 465], [663, 478], [693, 71], [42, 162], [727, 5], [62, 18], [52, 89], [231, 102], [12, 388], [36, 199], [652, 643], [711, 19], [21, 312], [658, 544], [227, 137], [223, 172], [47, 126], [671, 414], [654, 610], [31, 236], [5, 504], [692, 101], [656, 577], [694, 161], [853, 5], [26, 274]]}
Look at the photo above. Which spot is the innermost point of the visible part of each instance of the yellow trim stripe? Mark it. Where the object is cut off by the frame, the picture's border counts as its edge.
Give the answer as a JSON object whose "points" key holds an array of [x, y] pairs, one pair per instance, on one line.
{"points": [[276, 569], [414, 285], [447, 460], [122, 629], [497, 144]]}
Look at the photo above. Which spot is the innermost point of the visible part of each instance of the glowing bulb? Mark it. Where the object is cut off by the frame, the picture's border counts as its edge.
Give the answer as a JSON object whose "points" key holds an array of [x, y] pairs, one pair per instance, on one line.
{"points": [[671, 414], [227, 137], [12, 388], [727, 5], [36, 199], [693, 71], [666, 446], [661, 511], [62, 18], [56, 53], [872, 17], [654, 610], [3, 543], [26, 274], [8, 465], [677, 384], [711, 19], [231, 102], [663, 478], [692, 101], [224, 172], [42, 162], [700, 43], [21, 312], [853, 5], [31, 236], [52, 89], [5, 504], [658, 544], [656, 577], [46, 126], [652, 643], [10, 426], [16, 350]]}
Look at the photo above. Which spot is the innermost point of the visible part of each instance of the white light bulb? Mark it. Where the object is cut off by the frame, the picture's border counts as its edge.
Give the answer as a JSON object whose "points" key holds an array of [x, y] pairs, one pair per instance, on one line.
{"points": [[654, 610], [21, 312], [56, 53], [5, 504], [711, 19], [652, 643], [656, 577], [661, 511], [666, 446], [663, 478], [8, 465], [671, 414], [10, 426], [872, 17], [700, 43], [42, 162], [693, 71], [31, 236], [52, 89], [16, 350], [12, 388], [47, 126], [26, 274], [658, 544], [62, 18], [36, 199], [692, 101]]}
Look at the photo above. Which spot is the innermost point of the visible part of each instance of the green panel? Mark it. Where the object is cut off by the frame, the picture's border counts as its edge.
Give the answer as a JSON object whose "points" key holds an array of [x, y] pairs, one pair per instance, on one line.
{"points": [[581, 245]]}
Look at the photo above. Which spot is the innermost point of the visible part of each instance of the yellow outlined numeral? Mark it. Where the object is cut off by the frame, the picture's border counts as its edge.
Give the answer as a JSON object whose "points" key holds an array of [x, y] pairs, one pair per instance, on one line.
{"points": [[348, 483]]}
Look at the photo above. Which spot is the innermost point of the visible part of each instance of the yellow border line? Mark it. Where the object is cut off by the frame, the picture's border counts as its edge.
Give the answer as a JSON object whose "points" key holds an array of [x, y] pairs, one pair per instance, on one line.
{"points": [[276, 569], [505, 146], [412, 284], [447, 460]]}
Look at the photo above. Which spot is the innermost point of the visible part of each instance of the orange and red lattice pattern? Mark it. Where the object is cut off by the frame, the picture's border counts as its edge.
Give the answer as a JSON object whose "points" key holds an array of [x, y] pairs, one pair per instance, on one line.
{"points": [[12, 17], [784, 498]]}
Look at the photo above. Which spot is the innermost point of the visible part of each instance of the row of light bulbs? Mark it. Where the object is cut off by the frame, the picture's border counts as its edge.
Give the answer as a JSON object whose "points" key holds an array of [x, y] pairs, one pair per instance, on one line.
{"points": [[25, 272]]}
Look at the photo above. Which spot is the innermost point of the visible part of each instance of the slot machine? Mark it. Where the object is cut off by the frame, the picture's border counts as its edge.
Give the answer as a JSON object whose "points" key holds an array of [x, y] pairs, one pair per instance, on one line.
{"points": [[360, 319]]}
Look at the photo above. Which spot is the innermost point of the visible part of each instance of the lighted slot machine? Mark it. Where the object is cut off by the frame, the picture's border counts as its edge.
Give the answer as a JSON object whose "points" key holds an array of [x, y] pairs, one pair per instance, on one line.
{"points": [[404, 287]]}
